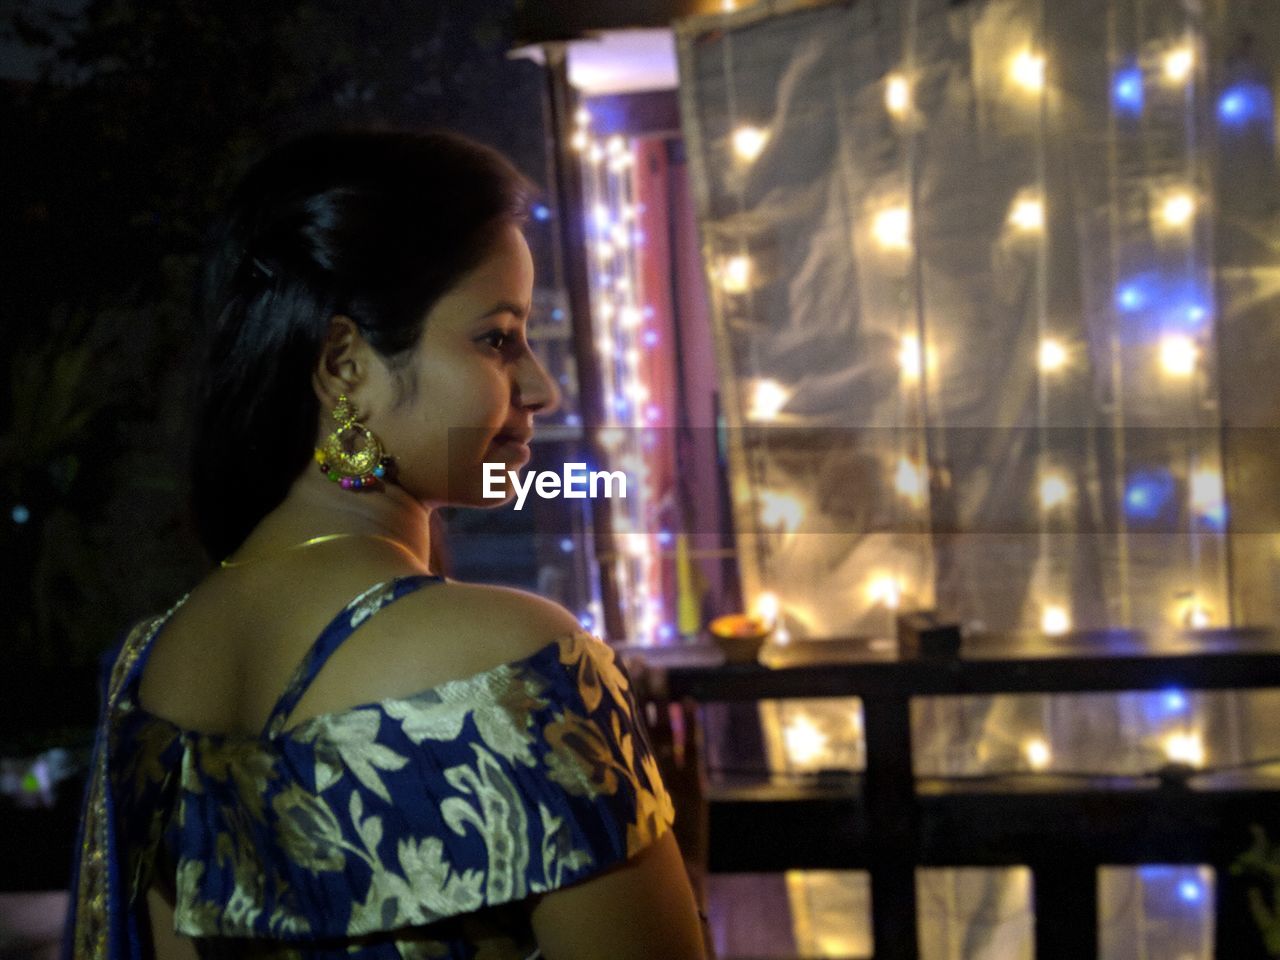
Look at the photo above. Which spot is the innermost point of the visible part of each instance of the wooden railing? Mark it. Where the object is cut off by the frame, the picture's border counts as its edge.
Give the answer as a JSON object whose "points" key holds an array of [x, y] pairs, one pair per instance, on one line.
{"points": [[886, 821]]}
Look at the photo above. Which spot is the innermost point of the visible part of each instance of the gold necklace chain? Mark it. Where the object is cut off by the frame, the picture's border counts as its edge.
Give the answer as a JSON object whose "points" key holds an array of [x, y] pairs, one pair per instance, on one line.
{"points": [[225, 564]]}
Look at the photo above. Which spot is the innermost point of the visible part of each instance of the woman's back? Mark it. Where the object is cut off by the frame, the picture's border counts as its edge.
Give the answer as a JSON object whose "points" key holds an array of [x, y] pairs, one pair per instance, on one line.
{"points": [[228, 652], [442, 788]]}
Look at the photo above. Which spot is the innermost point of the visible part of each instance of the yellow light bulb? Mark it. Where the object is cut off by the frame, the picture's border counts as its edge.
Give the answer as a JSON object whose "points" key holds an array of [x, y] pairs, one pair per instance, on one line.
{"points": [[768, 397], [582, 116], [892, 228], [1178, 355], [897, 95], [1037, 753], [1193, 614], [1053, 355], [1055, 489], [1207, 494], [1177, 209], [735, 276], [909, 480], [749, 142], [1027, 71], [1178, 64], [1027, 215], [1185, 748], [580, 140], [805, 742], [630, 317], [1055, 619], [885, 589], [781, 510], [910, 357]]}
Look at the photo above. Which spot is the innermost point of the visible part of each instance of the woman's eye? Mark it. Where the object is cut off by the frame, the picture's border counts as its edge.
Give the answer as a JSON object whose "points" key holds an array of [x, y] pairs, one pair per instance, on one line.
{"points": [[497, 339]]}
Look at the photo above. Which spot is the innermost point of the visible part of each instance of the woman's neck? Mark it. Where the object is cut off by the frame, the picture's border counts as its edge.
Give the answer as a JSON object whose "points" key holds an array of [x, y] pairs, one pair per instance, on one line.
{"points": [[315, 507]]}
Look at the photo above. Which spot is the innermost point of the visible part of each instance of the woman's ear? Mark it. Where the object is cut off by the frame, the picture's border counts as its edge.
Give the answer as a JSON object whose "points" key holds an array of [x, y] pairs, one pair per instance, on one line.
{"points": [[343, 365]]}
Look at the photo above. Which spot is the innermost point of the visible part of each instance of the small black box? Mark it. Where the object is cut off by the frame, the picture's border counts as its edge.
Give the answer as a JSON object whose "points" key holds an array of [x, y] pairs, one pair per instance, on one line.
{"points": [[922, 634]]}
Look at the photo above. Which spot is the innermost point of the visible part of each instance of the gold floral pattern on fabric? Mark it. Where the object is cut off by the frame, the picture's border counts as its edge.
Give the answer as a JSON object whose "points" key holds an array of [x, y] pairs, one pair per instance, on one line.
{"points": [[500, 702], [599, 674], [415, 827], [347, 743], [581, 759]]}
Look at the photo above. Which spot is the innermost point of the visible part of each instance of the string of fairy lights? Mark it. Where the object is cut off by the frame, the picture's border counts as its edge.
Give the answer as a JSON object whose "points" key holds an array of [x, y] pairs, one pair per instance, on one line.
{"points": [[625, 339], [1179, 312]]}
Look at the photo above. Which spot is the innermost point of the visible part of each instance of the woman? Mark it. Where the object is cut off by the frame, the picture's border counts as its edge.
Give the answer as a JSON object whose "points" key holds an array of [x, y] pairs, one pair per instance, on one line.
{"points": [[442, 769]]}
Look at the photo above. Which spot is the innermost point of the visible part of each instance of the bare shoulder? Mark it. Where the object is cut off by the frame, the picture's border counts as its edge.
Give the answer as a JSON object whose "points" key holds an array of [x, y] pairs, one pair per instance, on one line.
{"points": [[463, 628], [524, 617]]}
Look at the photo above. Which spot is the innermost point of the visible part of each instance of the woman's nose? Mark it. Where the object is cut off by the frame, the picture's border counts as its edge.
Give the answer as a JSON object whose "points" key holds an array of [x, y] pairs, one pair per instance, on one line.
{"points": [[536, 390]]}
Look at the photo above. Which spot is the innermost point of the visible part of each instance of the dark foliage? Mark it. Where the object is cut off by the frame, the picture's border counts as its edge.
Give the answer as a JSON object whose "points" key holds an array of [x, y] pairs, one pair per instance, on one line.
{"points": [[117, 155]]}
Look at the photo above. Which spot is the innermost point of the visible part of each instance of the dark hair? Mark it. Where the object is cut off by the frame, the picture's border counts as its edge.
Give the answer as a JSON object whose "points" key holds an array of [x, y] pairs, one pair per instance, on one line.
{"points": [[374, 224]]}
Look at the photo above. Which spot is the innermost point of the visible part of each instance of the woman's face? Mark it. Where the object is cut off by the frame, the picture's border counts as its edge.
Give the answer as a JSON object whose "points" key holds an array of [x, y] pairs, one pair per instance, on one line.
{"points": [[478, 386]]}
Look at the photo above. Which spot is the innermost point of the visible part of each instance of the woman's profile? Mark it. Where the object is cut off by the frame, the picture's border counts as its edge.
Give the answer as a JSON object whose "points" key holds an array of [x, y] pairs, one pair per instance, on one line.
{"points": [[325, 748]]}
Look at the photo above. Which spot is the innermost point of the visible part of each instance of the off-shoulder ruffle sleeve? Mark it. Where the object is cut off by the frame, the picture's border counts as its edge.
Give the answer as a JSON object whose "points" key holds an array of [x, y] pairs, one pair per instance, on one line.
{"points": [[478, 792]]}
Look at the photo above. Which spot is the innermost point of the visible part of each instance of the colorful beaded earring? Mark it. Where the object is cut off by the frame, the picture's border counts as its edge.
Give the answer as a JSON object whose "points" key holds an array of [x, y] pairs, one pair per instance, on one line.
{"points": [[352, 456]]}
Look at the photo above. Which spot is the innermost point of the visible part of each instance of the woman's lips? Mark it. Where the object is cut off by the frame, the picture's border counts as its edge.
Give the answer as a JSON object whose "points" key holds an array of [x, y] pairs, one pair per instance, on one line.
{"points": [[513, 447]]}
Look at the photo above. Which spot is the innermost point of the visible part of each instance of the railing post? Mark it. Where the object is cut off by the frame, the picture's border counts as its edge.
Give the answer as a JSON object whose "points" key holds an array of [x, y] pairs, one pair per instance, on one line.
{"points": [[893, 826]]}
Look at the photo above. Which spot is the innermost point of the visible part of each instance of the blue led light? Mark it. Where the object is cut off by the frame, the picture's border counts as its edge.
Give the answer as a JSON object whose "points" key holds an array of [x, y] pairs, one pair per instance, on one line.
{"points": [[1132, 295], [572, 420], [1245, 103], [665, 538], [1147, 494], [665, 632], [1190, 891], [541, 211], [1195, 313], [1175, 701], [557, 314], [566, 545], [1126, 90], [650, 338], [586, 620], [21, 514]]}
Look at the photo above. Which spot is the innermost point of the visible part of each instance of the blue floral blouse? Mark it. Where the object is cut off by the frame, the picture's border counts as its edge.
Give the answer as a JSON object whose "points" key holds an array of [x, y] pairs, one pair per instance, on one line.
{"points": [[410, 827]]}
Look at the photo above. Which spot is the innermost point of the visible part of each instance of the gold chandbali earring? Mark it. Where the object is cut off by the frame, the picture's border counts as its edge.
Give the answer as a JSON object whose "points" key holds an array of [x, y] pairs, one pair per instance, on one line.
{"points": [[352, 456]]}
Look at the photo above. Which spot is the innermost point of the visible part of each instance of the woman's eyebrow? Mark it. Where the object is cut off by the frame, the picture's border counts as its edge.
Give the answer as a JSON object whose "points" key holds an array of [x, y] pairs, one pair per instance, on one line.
{"points": [[507, 306]]}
